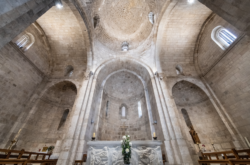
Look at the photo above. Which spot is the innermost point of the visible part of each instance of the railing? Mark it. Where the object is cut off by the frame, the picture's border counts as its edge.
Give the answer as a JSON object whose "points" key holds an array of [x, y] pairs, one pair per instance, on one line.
{"points": [[19, 156], [80, 162], [227, 157], [22, 154], [25, 162]]}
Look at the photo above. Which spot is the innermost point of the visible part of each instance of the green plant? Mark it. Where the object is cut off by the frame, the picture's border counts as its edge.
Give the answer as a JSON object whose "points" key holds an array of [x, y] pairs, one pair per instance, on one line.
{"points": [[126, 149], [50, 148]]}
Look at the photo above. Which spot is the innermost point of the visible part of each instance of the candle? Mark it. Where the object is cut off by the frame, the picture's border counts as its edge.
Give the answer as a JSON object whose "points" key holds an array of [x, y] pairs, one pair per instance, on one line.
{"points": [[247, 142], [154, 134], [93, 134]]}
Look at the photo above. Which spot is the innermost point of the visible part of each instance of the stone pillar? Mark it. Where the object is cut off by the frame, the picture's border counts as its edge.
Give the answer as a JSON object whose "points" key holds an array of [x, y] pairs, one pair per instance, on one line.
{"points": [[70, 142], [170, 151], [176, 143]]}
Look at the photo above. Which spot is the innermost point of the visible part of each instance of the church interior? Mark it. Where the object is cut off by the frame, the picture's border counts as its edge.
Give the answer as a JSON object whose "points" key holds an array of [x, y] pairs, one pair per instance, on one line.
{"points": [[76, 76]]}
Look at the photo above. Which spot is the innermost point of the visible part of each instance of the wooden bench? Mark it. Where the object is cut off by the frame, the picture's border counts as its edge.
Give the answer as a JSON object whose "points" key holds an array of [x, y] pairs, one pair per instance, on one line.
{"points": [[80, 162], [18, 154], [226, 157], [25, 162]]}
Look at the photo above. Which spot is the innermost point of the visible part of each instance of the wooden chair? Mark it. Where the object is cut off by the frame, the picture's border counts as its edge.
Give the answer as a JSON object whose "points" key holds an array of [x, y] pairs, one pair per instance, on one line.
{"points": [[227, 157], [80, 162]]}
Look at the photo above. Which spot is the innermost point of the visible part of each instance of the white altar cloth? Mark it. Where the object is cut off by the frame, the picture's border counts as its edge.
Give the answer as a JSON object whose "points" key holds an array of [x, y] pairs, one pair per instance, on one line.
{"points": [[110, 153]]}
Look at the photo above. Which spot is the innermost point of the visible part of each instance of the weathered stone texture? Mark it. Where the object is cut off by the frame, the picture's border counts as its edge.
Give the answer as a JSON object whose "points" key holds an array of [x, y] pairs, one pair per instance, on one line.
{"points": [[38, 52], [203, 116], [175, 43], [18, 82], [42, 128], [233, 11], [15, 16], [230, 79], [209, 52]]}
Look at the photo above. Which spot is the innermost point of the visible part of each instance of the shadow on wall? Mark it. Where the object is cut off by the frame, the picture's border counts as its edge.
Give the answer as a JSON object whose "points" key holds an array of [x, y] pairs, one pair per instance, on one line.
{"points": [[50, 119], [200, 116]]}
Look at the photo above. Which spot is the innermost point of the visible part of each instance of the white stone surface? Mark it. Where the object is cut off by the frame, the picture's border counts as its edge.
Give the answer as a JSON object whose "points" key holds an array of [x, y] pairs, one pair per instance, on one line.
{"points": [[110, 153]]}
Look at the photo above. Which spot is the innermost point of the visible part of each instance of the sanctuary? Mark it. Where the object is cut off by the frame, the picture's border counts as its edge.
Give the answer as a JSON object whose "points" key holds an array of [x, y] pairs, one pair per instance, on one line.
{"points": [[76, 76]]}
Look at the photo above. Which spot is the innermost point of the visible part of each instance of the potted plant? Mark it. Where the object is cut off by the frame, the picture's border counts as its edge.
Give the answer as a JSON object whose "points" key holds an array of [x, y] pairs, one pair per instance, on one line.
{"points": [[126, 149], [50, 149]]}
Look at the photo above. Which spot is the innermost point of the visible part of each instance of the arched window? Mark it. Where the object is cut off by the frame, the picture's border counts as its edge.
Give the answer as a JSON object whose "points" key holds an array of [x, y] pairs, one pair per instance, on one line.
{"points": [[25, 41], [69, 71], [178, 69], [139, 109], [63, 119], [222, 37], [123, 111], [107, 108]]}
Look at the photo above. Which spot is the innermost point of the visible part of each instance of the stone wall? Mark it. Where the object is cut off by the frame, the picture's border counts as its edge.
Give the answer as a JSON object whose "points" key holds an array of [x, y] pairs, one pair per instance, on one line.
{"points": [[203, 116], [230, 79], [17, 16], [114, 126], [227, 73], [42, 128], [209, 52], [38, 53], [235, 12], [18, 82]]}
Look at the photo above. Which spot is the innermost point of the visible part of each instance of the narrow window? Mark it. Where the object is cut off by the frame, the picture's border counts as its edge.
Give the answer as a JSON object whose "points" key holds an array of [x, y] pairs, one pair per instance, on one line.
{"points": [[226, 36], [63, 119], [123, 111], [139, 109], [178, 69], [69, 71], [107, 108], [222, 37], [25, 41]]}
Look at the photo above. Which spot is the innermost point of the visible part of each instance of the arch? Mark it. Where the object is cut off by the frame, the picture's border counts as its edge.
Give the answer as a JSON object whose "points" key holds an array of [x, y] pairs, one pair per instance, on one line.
{"points": [[81, 16], [52, 84], [111, 67], [194, 81], [198, 41], [102, 66]]}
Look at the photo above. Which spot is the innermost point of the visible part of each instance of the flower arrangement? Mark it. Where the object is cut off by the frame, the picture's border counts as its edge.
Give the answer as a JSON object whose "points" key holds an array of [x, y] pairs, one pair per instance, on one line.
{"points": [[50, 148], [126, 149]]}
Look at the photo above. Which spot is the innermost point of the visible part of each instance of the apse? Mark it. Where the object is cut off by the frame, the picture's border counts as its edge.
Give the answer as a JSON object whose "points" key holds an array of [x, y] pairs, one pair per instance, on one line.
{"points": [[124, 110], [123, 102]]}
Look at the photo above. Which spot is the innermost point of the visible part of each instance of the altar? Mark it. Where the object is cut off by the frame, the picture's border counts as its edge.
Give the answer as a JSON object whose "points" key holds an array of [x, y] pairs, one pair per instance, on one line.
{"points": [[110, 153]]}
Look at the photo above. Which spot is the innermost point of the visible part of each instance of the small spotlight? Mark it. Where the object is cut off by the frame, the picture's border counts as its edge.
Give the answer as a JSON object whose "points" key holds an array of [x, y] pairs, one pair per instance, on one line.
{"points": [[190, 1], [59, 4]]}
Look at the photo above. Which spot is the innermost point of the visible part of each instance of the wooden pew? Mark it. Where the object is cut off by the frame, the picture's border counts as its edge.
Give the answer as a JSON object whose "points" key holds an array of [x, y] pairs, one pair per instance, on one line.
{"points": [[227, 157], [18, 154], [25, 162], [80, 162]]}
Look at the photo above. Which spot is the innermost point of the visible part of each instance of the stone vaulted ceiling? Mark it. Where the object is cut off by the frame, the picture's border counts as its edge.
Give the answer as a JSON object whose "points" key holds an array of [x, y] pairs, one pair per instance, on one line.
{"points": [[178, 32], [66, 37], [124, 85], [186, 93], [125, 20]]}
